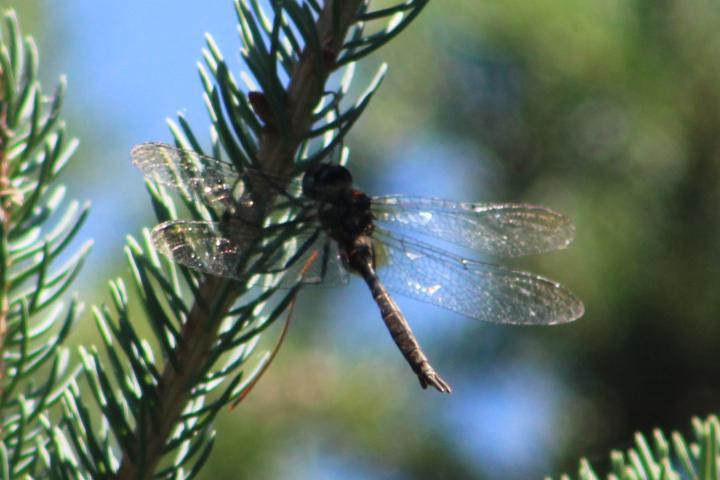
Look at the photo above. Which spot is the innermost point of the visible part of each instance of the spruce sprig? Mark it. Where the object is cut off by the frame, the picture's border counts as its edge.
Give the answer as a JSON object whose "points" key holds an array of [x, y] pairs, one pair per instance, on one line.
{"points": [[37, 225], [158, 397], [665, 457]]}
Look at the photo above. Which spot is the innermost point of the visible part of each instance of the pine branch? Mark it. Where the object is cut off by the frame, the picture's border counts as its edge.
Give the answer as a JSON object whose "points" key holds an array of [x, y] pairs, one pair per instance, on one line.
{"points": [[276, 154], [34, 231], [159, 413], [665, 458]]}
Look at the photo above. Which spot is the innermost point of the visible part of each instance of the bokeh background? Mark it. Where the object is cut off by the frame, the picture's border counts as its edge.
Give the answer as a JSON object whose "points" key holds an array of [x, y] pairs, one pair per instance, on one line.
{"points": [[607, 111]]}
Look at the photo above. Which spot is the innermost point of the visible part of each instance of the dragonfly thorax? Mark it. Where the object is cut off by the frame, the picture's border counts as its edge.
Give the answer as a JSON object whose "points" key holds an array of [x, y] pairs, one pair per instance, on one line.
{"points": [[323, 181], [343, 211]]}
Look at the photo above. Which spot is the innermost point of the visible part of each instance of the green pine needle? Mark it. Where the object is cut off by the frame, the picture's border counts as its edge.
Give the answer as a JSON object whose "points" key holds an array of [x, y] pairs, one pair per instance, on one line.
{"points": [[694, 459], [37, 226]]}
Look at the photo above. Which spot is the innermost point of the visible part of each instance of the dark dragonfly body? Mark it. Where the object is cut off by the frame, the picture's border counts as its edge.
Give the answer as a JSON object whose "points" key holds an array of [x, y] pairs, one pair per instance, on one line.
{"points": [[332, 229], [345, 214]]}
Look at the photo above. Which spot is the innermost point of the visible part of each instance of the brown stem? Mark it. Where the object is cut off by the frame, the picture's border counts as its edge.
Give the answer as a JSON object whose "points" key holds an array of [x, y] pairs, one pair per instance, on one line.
{"points": [[5, 204], [5, 220], [276, 154]]}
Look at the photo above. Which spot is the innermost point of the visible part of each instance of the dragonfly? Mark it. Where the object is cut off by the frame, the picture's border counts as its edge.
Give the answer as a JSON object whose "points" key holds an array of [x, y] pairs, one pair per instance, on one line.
{"points": [[337, 230]]}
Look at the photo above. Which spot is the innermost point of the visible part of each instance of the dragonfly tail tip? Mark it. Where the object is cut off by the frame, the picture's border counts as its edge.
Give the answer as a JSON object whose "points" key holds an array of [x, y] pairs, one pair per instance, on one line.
{"points": [[436, 381]]}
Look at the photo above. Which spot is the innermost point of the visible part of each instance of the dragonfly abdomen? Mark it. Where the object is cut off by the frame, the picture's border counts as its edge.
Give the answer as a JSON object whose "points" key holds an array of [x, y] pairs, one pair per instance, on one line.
{"points": [[401, 332]]}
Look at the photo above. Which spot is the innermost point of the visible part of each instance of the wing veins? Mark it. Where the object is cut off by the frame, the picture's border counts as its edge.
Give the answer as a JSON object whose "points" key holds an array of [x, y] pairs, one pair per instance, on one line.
{"points": [[506, 230], [472, 288]]}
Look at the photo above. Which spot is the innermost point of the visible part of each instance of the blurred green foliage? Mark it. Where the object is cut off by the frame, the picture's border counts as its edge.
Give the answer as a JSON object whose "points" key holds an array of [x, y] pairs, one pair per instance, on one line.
{"points": [[610, 112]]}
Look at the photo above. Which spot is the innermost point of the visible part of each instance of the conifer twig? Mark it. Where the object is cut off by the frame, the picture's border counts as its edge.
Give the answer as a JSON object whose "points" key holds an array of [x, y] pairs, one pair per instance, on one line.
{"points": [[36, 228], [276, 153], [5, 135]]}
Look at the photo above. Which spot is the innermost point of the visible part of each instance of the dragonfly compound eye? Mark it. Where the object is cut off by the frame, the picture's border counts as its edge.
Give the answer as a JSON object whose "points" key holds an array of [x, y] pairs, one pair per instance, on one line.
{"points": [[325, 177]]}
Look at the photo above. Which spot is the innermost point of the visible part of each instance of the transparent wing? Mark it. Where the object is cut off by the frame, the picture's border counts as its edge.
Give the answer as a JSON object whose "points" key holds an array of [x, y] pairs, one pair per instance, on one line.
{"points": [[475, 289], [508, 230], [188, 172], [321, 265], [230, 251], [213, 180]]}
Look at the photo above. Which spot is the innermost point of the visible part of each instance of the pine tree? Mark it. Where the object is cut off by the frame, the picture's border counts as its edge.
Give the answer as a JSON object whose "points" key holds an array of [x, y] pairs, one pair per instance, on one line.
{"points": [[155, 400], [37, 225]]}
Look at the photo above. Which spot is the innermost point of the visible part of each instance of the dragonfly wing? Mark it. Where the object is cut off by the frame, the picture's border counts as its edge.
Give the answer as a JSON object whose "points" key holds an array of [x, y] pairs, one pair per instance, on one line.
{"points": [[213, 180], [230, 251], [186, 171], [321, 264], [503, 229], [475, 289]]}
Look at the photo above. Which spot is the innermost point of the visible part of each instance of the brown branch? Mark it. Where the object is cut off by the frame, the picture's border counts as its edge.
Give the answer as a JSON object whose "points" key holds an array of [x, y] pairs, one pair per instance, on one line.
{"points": [[5, 204], [276, 154]]}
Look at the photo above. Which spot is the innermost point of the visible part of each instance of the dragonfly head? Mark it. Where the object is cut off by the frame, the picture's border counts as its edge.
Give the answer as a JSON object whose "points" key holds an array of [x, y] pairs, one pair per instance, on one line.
{"points": [[325, 179]]}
